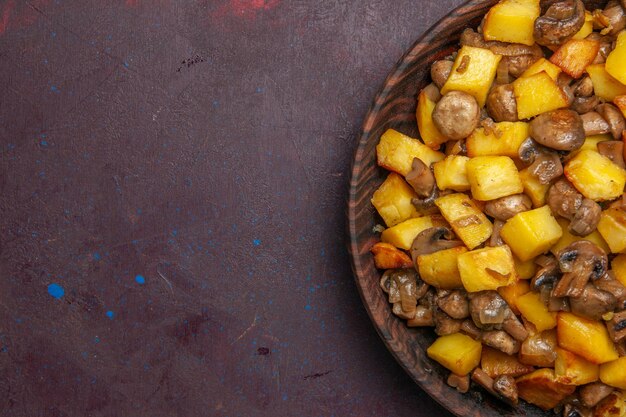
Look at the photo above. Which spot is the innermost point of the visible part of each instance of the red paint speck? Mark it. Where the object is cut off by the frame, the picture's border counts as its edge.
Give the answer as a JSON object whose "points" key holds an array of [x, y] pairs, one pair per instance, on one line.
{"points": [[132, 3], [7, 10], [13, 16], [244, 8]]}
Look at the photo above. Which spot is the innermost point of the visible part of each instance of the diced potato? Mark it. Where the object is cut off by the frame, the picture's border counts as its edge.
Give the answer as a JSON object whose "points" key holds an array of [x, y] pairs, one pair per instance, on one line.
{"points": [[612, 227], [543, 64], [568, 238], [440, 269], [451, 173], [591, 142], [584, 337], [511, 293], [393, 200], [531, 233], [614, 373], [402, 235], [618, 265], [620, 102], [387, 256], [604, 85], [595, 176], [487, 268], [428, 131], [525, 269], [512, 21], [538, 349], [575, 55], [571, 369], [612, 406], [468, 222], [457, 352], [512, 134], [396, 151], [492, 177], [495, 363], [480, 67], [616, 59], [533, 188], [542, 388], [538, 94], [535, 311], [587, 27]]}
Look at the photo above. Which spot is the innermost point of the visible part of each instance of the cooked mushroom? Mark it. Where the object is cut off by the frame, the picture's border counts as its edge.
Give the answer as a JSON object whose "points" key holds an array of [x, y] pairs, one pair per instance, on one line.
{"points": [[505, 386], [506, 207], [423, 317], [470, 37], [615, 16], [487, 309], [432, 240], [456, 115], [461, 383], [583, 87], [496, 239], [454, 303], [501, 103], [440, 71], [582, 105], [614, 150], [592, 394], [514, 327], [586, 218], [606, 46], [528, 151], [456, 147], [403, 283], [564, 199], [580, 261], [617, 326], [539, 349], [547, 167], [559, 129], [576, 410], [547, 275], [421, 178], [562, 20], [426, 206], [593, 303], [501, 340], [445, 324], [611, 285], [469, 328], [614, 117], [517, 64], [594, 124]]}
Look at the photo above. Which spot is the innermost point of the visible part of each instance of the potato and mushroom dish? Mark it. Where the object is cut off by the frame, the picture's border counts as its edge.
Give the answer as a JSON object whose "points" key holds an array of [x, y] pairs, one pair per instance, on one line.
{"points": [[505, 222]]}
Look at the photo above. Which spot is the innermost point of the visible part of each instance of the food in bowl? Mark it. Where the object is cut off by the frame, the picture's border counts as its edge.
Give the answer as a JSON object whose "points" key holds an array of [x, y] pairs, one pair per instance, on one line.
{"points": [[505, 223]]}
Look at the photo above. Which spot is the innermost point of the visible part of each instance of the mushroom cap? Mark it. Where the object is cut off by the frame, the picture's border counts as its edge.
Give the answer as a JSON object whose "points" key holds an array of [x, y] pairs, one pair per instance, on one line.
{"points": [[501, 103], [506, 207], [559, 129], [456, 115], [562, 20]]}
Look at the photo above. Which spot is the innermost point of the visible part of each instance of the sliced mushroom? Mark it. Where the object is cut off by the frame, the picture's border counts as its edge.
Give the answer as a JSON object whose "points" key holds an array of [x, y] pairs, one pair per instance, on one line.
{"points": [[421, 178], [501, 340], [440, 71], [461, 383], [456, 115], [517, 64], [614, 14], [606, 46], [470, 37], [515, 328], [614, 150], [528, 151], [593, 303], [501, 103], [423, 317], [580, 262], [582, 105], [496, 239], [505, 386], [583, 87], [402, 284], [547, 275], [542, 163], [611, 285], [539, 349], [562, 20], [586, 218], [445, 324], [559, 129], [506, 207], [576, 410], [614, 117], [469, 328], [487, 309], [617, 326], [564, 199], [454, 303], [426, 206], [592, 394], [433, 240], [456, 147], [594, 124]]}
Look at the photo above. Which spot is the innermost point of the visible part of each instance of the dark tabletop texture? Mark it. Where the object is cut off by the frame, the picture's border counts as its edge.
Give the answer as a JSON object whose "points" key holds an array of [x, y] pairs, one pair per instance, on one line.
{"points": [[173, 182]]}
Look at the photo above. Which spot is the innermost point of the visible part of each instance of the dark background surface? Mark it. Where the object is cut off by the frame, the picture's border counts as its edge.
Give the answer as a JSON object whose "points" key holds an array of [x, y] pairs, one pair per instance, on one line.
{"points": [[173, 178]]}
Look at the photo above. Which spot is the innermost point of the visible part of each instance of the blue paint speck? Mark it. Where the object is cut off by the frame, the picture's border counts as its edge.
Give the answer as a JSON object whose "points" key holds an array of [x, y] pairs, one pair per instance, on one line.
{"points": [[54, 89], [307, 307], [11, 146], [96, 339], [139, 279], [260, 89], [53, 34], [110, 314], [174, 232], [126, 64], [84, 354], [216, 104], [257, 242], [56, 291], [285, 397], [96, 256], [44, 143]]}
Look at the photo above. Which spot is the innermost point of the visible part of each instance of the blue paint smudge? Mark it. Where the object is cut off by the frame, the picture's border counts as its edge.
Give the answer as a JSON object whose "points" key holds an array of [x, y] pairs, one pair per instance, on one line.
{"points": [[174, 232], [56, 291], [139, 279], [307, 307], [53, 34], [259, 89], [54, 89], [96, 339], [110, 314], [44, 143], [96, 256], [126, 64], [84, 354], [216, 104], [257, 242]]}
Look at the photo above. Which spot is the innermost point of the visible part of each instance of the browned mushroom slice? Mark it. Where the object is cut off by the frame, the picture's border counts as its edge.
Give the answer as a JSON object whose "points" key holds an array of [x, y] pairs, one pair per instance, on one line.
{"points": [[593, 303], [461, 383], [586, 219], [390, 287], [515, 328], [615, 17], [564, 199], [505, 386], [576, 410], [539, 349], [583, 87], [614, 117], [426, 206], [617, 326], [582, 105], [454, 303], [433, 240], [546, 167], [501, 340], [403, 287], [592, 394], [423, 317], [594, 124], [481, 378], [487, 309], [610, 284], [506, 207], [496, 239], [614, 150], [440, 71], [606, 46], [469, 328], [456, 147], [580, 261], [456, 115], [562, 20], [559, 129], [421, 178], [501, 103], [445, 325]]}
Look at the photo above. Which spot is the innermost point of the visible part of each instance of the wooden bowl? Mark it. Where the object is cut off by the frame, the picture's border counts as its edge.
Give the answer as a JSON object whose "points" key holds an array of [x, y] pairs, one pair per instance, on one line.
{"points": [[394, 107]]}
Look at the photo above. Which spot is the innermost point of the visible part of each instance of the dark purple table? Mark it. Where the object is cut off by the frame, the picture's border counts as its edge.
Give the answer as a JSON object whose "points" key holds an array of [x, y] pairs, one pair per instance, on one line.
{"points": [[172, 197]]}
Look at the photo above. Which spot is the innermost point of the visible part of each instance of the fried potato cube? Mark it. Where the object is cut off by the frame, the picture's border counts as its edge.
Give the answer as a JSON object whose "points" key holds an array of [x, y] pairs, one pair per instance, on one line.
{"points": [[538, 94], [424, 114], [525, 269], [531, 233], [575, 55], [595, 176], [512, 21], [492, 177], [571, 369], [587, 27], [468, 222], [393, 200], [473, 72], [543, 64], [612, 227], [457, 352], [451, 173], [616, 59], [387, 256], [591, 142], [511, 293], [535, 311], [587, 338], [614, 373], [512, 134], [487, 268], [618, 265], [396, 151], [542, 388], [495, 362], [440, 269], [402, 235], [533, 188], [604, 85], [567, 239], [612, 406]]}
